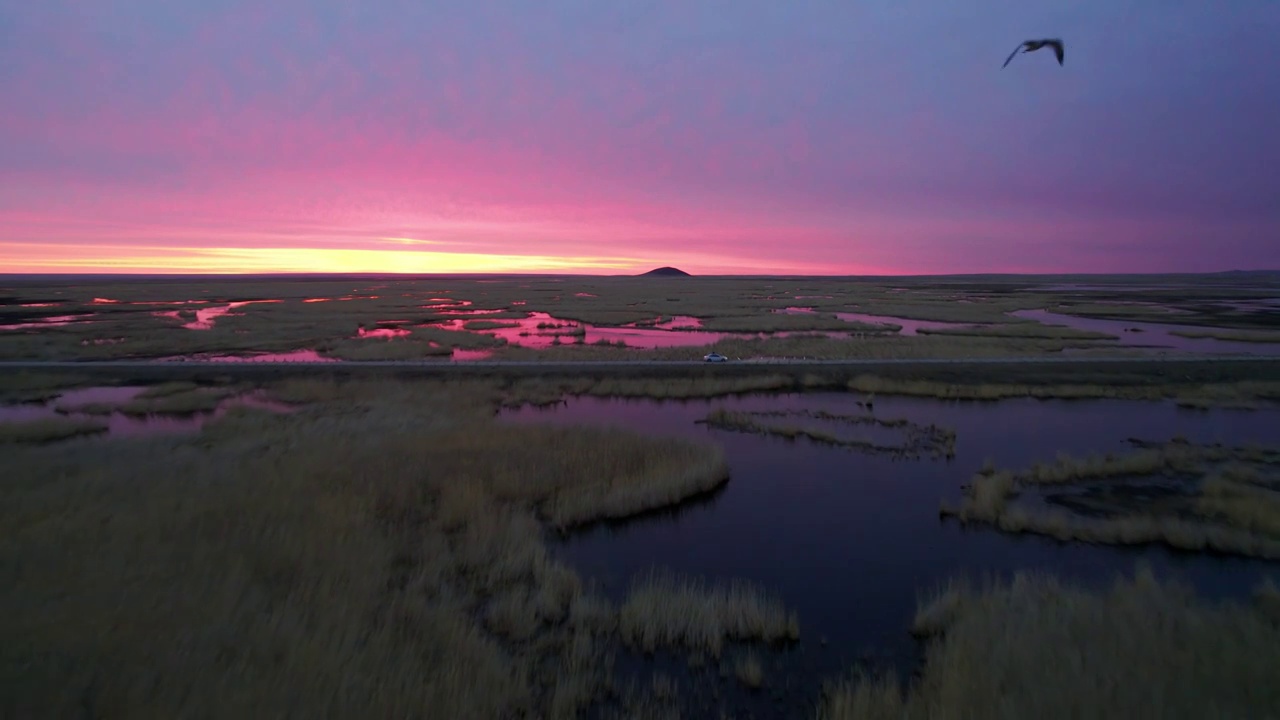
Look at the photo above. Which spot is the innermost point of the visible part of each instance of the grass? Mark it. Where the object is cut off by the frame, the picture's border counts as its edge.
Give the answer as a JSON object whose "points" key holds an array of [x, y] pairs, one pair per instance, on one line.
{"points": [[184, 402], [25, 386], [48, 429], [749, 670], [723, 304], [1242, 394], [1230, 335], [377, 552], [663, 609], [1035, 647], [1225, 516], [916, 440]]}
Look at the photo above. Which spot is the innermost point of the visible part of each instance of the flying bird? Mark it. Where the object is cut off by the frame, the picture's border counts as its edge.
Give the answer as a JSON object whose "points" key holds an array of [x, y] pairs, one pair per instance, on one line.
{"points": [[1033, 45]]}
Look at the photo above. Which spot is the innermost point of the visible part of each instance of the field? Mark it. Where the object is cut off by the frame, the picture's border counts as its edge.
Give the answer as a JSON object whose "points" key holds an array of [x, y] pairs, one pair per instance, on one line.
{"points": [[539, 318], [561, 541]]}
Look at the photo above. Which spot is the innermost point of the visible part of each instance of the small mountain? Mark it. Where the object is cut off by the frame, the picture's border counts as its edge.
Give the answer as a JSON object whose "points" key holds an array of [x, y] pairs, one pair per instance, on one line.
{"points": [[666, 272]]}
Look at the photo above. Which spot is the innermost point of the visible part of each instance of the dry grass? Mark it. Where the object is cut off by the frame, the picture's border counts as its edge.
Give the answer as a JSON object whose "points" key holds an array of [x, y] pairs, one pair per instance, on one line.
{"points": [[375, 553], [1230, 335], [199, 399], [745, 304], [1227, 516], [1035, 648], [916, 440], [1238, 395], [48, 429], [749, 670], [1243, 505], [24, 386], [668, 610]]}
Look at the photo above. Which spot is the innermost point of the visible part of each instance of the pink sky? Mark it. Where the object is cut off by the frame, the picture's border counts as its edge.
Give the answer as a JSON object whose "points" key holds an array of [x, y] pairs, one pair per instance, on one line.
{"points": [[719, 138]]}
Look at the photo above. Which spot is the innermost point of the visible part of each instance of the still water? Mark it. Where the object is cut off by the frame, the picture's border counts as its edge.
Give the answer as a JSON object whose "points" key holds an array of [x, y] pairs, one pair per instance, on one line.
{"points": [[848, 539]]}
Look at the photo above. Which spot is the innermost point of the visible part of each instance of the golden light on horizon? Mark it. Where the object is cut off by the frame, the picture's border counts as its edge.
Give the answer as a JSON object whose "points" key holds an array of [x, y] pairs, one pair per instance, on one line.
{"points": [[216, 260]]}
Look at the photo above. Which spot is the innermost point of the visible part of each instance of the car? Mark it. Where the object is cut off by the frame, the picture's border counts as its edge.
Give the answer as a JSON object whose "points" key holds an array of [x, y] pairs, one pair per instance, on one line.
{"points": [[714, 357]]}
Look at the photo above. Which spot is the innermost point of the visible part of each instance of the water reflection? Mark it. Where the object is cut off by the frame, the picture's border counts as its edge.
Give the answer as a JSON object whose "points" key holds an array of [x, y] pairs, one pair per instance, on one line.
{"points": [[1148, 334], [848, 539], [907, 325], [543, 330], [206, 316]]}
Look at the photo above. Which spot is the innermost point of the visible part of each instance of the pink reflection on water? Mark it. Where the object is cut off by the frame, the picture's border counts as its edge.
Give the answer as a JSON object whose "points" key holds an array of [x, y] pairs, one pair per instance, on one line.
{"points": [[206, 316], [381, 333], [460, 354], [1151, 334], [518, 302], [909, 326], [316, 300], [39, 305], [104, 301], [445, 304], [585, 294], [55, 321], [466, 312], [103, 341], [542, 330]]}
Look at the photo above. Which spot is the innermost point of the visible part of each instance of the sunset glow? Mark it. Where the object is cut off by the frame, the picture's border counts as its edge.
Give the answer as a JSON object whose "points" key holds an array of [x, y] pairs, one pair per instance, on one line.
{"points": [[240, 137]]}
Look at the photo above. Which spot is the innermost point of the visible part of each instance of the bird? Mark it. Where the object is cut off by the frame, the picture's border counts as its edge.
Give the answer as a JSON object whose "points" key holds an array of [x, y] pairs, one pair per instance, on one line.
{"points": [[1033, 45]]}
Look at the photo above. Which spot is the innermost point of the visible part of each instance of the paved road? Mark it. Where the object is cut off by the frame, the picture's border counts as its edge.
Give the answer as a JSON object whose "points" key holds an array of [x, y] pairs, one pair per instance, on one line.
{"points": [[597, 365]]}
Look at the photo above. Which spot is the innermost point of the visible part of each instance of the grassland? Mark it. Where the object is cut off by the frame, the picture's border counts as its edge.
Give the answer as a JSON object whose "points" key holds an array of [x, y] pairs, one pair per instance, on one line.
{"points": [[378, 551], [48, 430], [142, 319], [1036, 648], [914, 439]]}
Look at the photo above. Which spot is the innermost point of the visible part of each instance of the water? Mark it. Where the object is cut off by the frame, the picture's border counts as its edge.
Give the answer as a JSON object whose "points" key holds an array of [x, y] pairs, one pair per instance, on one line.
{"points": [[1159, 335], [908, 326], [848, 539], [205, 317], [121, 425]]}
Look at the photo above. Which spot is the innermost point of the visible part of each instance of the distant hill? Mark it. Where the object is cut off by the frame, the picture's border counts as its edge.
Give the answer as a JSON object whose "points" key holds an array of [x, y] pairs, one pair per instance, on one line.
{"points": [[666, 272]]}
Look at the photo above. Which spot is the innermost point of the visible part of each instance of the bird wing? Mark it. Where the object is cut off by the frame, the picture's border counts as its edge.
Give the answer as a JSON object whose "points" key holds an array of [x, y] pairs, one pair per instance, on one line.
{"points": [[1058, 49], [1015, 52]]}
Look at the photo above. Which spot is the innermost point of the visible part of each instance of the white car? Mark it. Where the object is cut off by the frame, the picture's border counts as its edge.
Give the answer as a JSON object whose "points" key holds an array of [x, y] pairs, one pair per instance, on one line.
{"points": [[714, 357]]}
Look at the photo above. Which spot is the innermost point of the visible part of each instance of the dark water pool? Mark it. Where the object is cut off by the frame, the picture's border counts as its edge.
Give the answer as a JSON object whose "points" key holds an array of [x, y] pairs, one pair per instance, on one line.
{"points": [[848, 539]]}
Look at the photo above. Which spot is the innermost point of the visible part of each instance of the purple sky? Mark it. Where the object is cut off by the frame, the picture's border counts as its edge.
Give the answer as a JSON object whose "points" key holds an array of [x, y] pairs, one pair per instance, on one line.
{"points": [[610, 136]]}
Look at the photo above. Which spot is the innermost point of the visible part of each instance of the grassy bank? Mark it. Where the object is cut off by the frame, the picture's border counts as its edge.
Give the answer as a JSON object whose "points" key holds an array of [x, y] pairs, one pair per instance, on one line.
{"points": [[379, 551], [1219, 498], [1037, 648]]}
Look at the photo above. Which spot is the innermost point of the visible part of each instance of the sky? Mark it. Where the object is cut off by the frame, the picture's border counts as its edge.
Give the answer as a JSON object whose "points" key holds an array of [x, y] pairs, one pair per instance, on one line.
{"points": [[837, 137]]}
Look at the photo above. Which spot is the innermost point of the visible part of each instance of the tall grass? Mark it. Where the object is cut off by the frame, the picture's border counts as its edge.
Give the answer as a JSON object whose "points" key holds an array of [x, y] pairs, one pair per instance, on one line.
{"points": [[48, 429], [378, 552], [665, 609], [1036, 648], [1234, 516]]}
